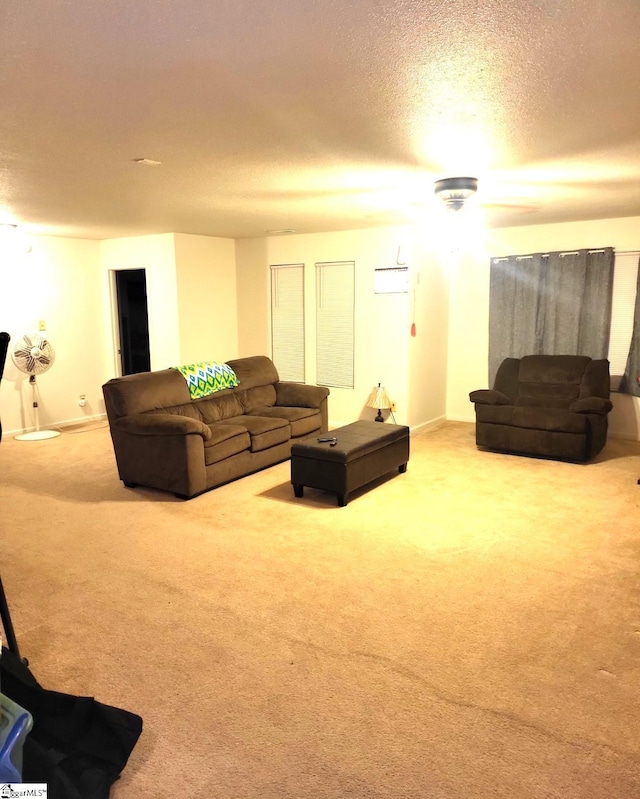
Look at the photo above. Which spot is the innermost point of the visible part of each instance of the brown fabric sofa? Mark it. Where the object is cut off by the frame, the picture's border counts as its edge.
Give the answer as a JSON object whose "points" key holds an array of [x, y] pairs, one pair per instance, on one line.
{"points": [[554, 406], [164, 439]]}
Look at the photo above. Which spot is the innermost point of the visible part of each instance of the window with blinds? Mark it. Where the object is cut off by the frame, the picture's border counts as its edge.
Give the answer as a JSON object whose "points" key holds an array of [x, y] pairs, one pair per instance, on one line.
{"points": [[335, 328], [625, 276], [287, 321]]}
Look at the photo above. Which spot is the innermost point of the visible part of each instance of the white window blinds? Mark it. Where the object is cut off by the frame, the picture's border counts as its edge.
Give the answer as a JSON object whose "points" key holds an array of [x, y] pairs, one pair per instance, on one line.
{"points": [[287, 321], [335, 300]]}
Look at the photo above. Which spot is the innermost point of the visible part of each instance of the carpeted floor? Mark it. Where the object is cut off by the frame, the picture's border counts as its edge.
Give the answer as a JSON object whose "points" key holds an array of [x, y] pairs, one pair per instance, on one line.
{"points": [[467, 630]]}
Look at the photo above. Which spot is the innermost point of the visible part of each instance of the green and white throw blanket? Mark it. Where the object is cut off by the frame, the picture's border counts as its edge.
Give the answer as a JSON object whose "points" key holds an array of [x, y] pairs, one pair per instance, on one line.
{"points": [[207, 377]]}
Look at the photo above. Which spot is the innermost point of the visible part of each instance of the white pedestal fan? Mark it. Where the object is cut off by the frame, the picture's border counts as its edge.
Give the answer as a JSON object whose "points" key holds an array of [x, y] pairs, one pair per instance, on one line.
{"points": [[34, 355]]}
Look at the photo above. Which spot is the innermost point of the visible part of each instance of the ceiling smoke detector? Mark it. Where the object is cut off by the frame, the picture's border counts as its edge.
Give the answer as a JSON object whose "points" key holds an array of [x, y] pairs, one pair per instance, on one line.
{"points": [[454, 192]]}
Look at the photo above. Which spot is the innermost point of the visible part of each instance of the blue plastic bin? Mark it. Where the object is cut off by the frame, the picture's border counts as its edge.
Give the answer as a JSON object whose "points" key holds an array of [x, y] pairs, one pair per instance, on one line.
{"points": [[15, 723]]}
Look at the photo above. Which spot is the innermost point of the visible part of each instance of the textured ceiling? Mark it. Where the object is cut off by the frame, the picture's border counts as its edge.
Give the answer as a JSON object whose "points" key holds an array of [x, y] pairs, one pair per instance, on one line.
{"points": [[315, 115]]}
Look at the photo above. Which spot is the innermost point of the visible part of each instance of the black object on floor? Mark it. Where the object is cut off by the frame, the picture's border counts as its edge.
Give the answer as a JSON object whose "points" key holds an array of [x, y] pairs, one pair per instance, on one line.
{"points": [[5, 338], [5, 616], [77, 745], [358, 453]]}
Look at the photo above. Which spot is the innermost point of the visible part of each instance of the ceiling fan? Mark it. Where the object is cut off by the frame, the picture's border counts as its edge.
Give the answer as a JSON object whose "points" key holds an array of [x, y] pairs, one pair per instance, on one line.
{"points": [[455, 193], [404, 195]]}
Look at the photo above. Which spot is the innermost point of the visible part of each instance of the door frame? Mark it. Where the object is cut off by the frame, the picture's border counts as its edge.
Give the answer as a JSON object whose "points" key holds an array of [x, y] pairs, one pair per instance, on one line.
{"points": [[115, 316]]}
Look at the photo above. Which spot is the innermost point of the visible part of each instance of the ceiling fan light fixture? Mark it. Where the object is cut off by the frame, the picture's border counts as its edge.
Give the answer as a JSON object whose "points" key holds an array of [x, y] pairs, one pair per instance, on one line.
{"points": [[454, 192]]}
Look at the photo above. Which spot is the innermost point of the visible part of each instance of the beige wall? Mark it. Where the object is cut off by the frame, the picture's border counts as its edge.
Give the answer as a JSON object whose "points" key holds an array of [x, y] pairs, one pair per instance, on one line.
{"points": [[429, 311], [156, 255], [252, 276], [65, 282], [206, 299], [60, 282], [469, 318], [382, 321]]}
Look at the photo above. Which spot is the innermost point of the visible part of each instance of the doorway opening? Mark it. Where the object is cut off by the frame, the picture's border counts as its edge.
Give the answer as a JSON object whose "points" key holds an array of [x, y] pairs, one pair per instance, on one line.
{"points": [[133, 321]]}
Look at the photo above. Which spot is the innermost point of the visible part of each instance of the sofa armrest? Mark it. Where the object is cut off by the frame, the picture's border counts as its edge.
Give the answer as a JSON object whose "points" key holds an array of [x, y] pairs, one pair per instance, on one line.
{"points": [[489, 396], [300, 395], [162, 424], [598, 405]]}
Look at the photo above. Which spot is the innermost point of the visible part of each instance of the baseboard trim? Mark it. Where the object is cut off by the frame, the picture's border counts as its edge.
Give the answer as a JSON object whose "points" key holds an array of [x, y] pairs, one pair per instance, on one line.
{"points": [[78, 422], [432, 424], [471, 419], [623, 436]]}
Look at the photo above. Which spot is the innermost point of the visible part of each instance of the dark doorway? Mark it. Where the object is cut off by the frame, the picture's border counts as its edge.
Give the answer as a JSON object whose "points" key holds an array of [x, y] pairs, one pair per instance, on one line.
{"points": [[133, 321]]}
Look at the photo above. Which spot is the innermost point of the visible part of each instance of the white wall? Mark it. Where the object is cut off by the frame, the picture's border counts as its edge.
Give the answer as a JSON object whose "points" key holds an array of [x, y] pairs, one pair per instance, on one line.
{"points": [[253, 301], [61, 283], [206, 298], [382, 321], [156, 255], [469, 309], [429, 313], [67, 284]]}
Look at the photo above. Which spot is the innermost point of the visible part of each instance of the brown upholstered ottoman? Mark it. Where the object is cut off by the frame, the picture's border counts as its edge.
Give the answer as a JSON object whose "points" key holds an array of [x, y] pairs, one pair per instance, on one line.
{"points": [[363, 452]]}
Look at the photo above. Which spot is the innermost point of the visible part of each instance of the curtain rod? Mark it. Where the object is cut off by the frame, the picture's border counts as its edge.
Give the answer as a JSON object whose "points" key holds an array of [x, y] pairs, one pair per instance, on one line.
{"points": [[570, 252]]}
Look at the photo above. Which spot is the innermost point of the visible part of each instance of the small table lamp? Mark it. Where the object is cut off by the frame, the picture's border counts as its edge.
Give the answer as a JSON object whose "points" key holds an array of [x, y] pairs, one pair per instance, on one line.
{"points": [[379, 399]]}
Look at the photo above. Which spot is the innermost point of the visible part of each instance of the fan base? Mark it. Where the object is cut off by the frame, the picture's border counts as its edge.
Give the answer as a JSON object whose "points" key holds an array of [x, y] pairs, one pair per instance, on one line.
{"points": [[38, 435]]}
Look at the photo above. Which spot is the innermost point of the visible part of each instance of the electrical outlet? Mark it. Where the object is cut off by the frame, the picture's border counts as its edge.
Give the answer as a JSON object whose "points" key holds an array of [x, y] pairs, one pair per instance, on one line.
{"points": [[82, 400], [42, 325], [393, 407]]}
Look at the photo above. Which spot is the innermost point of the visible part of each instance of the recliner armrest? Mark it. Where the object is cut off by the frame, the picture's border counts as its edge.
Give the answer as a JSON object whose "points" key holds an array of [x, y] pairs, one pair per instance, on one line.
{"points": [[300, 395], [489, 396], [162, 424], [598, 405]]}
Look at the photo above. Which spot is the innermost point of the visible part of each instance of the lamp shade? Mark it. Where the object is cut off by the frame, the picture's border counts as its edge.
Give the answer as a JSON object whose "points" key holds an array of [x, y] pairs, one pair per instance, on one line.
{"points": [[379, 398]]}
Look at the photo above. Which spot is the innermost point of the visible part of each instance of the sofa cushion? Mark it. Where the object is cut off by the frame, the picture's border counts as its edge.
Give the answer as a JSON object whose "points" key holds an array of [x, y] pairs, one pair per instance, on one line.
{"points": [[265, 432], [302, 420], [146, 391], [566, 393], [552, 376], [551, 419], [552, 368], [258, 370], [188, 409], [224, 405], [542, 402], [254, 399], [226, 440]]}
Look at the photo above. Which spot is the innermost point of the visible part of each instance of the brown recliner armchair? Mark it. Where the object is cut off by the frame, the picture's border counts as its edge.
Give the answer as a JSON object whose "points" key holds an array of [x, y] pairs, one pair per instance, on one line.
{"points": [[553, 406]]}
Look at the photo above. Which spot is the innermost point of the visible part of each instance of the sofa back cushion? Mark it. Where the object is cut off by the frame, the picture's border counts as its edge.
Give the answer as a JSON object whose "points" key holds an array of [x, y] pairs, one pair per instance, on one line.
{"points": [[554, 377], [257, 375], [252, 399], [258, 370], [166, 391], [147, 391], [220, 406]]}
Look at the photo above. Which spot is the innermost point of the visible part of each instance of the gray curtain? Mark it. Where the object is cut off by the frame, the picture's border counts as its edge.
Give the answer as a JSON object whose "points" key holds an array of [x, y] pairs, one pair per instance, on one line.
{"points": [[550, 303], [629, 383], [515, 291]]}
